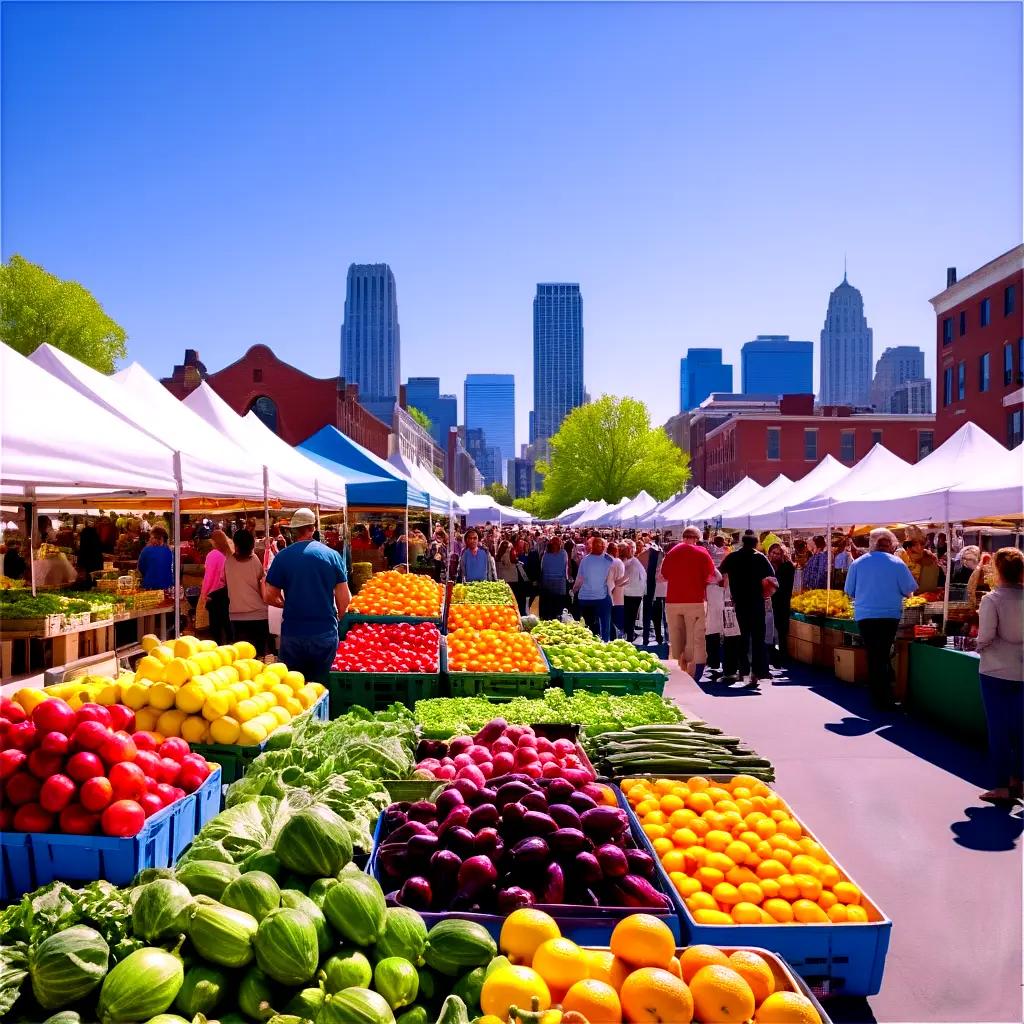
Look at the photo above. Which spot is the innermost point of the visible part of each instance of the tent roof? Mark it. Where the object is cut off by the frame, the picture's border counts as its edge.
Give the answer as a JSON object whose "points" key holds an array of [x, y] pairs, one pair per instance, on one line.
{"points": [[592, 509], [442, 498], [57, 440], [594, 515], [210, 465], [289, 473], [768, 514], [385, 486], [630, 512], [574, 509], [1001, 495], [738, 516], [682, 510], [482, 508], [736, 495]]}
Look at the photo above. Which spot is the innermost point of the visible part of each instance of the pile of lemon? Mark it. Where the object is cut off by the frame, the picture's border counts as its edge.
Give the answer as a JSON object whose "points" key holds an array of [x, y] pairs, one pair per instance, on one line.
{"points": [[209, 694]]}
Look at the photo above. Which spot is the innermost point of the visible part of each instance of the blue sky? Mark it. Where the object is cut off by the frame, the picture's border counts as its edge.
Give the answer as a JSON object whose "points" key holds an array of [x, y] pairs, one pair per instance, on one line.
{"points": [[210, 171]]}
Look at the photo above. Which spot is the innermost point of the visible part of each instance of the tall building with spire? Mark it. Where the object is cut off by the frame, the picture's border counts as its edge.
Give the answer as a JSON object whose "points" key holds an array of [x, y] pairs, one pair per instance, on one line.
{"points": [[846, 342], [370, 336]]}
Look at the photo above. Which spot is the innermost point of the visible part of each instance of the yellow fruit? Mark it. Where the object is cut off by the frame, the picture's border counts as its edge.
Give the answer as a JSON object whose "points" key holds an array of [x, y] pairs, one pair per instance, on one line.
{"points": [[243, 670], [643, 941], [603, 965], [278, 668], [721, 995], [787, 1008], [29, 697], [225, 730], [146, 719], [169, 723], [693, 958], [195, 729], [149, 641], [185, 646], [513, 986], [281, 692], [746, 913], [195, 666], [162, 695], [596, 1000], [246, 709], [653, 995], [240, 690], [281, 714], [135, 695], [163, 653], [296, 680], [856, 914], [293, 707], [109, 694], [227, 654], [780, 910], [177, 672], [726, 894], [251, 733], [837, 913], [207, 645], [809, 913], [190, 699], [712, 917], [847, 892], [560, 962], [755, 971], [306, 697], [216, 705], [245, 649], [150, 668]]}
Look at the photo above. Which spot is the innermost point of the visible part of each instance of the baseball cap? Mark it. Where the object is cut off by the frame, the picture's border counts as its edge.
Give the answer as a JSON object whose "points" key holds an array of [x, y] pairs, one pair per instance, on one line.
{"points": [[302, 517]]}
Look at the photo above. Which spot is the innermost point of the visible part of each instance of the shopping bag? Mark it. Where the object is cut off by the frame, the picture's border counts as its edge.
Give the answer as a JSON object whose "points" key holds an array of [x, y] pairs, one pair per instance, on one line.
{"points": [[730, 624], [769, 623], [202, 615]]}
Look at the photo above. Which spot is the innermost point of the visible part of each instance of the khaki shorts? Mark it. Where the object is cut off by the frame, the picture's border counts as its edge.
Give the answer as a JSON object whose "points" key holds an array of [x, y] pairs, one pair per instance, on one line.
{"points": [[686, 625]]}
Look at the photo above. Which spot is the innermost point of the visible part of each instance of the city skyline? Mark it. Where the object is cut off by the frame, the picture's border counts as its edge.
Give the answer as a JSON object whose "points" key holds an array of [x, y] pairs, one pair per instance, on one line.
{"points": [[218, 210], [489, 405]]}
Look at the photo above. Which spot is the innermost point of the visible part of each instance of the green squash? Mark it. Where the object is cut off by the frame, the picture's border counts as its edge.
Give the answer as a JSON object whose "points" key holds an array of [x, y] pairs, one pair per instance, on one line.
{"points": [[162, 910], [286, 947], [314, 842], [144, 984], [67, 966], [222, 935], [255, 892]]}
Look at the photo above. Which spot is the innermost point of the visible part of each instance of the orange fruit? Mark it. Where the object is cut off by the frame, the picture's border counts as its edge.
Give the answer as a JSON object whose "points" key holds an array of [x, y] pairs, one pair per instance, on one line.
{"points": [[607, 967], [787, 1008], [512, 986], [701, 901], [719, 861], [755, 971], [809, 913], [810, 887], [652, 995], [685, 885], [746, 913], [699, 802], [695, 957], [737, 851], [829, 875], [712, 917], [738, 876], [780, 910], [770, 869], [684, 836], [856, 914], [523, 931], [561, 963], [726, 894], [770, 887], [801, 864], [662, 845], [750, 892], [789, 888], [643, 941], [837, 913], [847, 892], [697, 784], [827, 900], [673, 860], [709, 877], [721, 995], [596, 1000], [717, 840], [789, 827]]}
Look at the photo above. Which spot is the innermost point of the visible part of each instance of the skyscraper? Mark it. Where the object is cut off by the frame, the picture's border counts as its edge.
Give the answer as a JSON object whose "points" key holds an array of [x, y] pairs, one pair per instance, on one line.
{"points": [[846, 343], [370, 337], [774, 365], [424, 393], [894, 366], [912, 397], [702, 372], [557, 358], [489, 406]]}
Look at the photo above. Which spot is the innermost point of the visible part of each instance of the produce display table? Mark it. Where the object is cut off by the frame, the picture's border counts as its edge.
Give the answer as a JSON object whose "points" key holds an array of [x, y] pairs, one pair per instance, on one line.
{"points": [[943, 685]]}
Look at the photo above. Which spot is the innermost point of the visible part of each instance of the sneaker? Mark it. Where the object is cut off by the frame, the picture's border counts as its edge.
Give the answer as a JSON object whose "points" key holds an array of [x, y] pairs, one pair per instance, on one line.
{"points": [[729, 677]]}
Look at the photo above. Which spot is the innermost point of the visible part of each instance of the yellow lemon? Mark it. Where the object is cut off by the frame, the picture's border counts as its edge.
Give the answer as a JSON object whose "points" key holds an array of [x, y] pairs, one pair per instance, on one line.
{"points": [[163, 653], [246, 709], [293, 707], [190, 698], [134, 695], [150, 668], [177, 672], [224, 730], [207, 645], [185, 647], [195, 729], [169, 723], [149, 641], [240, 690], [296, 680], [161, 695], [195, 665], [146, 719], [245, 649], [251, 733], [243, 669], [278, 668], [217, 705], [227, 654], [281, 714]]}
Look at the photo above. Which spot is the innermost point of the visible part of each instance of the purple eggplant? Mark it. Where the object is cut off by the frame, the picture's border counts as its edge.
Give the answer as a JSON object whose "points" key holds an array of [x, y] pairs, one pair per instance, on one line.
{"points": [[553, 889], [538, 823], [612, 860], [580, 802], [487, 795], [475, 875], [416, 893], [483, 816], [421, 848], [535, 801], [633, 891], [459, 839], [559, 791], [511, 793], [467, 787], [458, 818], [564, 816], [431, 748], [422, 810], [447, 800], [393, 860], [567, 842], [602, 823], [394, 819], [405, 832], [587, 868], [490, 732], [640, 863], [489, 843], [530, 851], [513, 898]]}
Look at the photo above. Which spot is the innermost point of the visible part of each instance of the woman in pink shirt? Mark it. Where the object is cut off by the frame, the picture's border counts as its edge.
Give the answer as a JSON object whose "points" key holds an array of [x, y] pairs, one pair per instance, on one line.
{"points": [[214, 591]]}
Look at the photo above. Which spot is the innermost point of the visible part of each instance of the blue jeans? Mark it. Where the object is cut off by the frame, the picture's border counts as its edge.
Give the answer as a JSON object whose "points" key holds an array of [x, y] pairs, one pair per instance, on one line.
{"points": [[597, 614], [310, 655], [618, 619], [1004, 711]]}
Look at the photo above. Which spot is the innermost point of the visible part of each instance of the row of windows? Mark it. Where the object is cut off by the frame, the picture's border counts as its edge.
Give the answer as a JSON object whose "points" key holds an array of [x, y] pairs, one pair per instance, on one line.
{"points": [[958, 393], [984, 314], [847, 444]]}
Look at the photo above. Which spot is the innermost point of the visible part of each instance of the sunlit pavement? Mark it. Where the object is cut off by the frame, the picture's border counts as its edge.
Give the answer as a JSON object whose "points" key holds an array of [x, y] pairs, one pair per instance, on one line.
{"points": [[896, 801]]}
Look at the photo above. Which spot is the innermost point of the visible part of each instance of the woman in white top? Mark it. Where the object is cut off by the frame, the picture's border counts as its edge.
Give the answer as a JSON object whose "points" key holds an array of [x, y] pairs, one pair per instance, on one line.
{"points": [[618, 592], [1001, 645], [635, 587]]}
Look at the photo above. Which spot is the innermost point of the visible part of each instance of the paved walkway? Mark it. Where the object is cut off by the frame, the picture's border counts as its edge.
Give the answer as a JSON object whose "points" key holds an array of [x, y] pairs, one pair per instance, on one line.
{"points": [[897, 802]]}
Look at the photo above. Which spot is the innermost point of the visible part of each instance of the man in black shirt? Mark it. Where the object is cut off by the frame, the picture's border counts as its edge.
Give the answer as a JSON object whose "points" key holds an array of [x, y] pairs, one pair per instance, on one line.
{"points": [[745, 571]]}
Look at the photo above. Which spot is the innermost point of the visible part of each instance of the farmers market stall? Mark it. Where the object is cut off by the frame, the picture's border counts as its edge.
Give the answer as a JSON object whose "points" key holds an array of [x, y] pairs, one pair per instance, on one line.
{"points": [[943, 686]]}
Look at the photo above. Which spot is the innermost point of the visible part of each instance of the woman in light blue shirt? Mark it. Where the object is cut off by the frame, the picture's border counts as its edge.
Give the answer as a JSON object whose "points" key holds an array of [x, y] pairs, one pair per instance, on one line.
{"points": [[595, 580]]}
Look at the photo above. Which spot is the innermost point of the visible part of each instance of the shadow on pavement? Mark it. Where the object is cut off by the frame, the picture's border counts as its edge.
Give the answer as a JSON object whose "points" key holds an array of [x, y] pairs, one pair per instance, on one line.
{"points": [[989, 827], [852, 727], [849, 1010], [713, 689]]}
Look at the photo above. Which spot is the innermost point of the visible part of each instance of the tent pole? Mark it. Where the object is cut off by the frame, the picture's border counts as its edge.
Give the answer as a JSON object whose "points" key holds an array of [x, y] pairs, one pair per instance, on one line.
{"points": [[407, 564], [949, 566], [30, 510], [176, 541], [828, 558], [266, 508]]}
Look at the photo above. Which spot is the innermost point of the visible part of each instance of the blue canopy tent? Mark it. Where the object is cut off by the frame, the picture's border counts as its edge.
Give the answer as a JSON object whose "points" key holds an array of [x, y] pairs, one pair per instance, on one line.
{"points": [[370, 481]]}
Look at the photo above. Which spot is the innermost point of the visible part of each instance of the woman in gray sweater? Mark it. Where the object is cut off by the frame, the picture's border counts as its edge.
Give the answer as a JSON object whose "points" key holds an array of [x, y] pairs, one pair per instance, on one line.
{"points": [[1001, 645]]}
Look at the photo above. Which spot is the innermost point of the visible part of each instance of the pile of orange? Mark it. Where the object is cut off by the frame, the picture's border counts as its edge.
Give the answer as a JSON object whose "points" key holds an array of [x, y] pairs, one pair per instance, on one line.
{"points": [[484, 616], [398, 593], [736, 854], [492, 650], [641, 978]]}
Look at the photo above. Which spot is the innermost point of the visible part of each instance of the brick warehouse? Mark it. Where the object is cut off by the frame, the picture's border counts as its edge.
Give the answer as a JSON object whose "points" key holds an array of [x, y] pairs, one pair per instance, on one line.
{"points": [[292, 403], [794, 439], [979, 350]]}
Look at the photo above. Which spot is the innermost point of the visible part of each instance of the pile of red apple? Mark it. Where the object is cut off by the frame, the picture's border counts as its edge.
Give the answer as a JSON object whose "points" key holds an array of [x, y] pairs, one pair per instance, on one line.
{"points": [[389, 647], [501, 749], [87, 771]]}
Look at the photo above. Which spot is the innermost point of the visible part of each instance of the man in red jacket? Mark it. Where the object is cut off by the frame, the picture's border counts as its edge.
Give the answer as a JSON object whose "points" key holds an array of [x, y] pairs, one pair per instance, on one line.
{"points": [[687, 569]]}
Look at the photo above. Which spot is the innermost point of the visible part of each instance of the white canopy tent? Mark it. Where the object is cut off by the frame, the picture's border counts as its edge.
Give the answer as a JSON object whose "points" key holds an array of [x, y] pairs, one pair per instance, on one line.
{"points": [[682, 510], [629, 513], [738, 516], [1003, 495], [593, 516], [442, 499], [771, 514], [598, 507], [648, 516], [735, 496], [573, 510], [482, 508]]}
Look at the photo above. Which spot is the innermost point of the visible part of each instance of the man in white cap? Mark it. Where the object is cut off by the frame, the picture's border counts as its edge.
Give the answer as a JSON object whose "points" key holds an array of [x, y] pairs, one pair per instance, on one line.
{"points": [[307, 579]]}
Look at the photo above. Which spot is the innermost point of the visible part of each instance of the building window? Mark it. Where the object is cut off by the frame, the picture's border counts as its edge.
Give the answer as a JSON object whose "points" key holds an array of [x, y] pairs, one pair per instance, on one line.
{"points": [[947, 385], [983, 372], [1007, 363], [257, 376], [811, 444], [947, 330], [876, 437], [1020, 360], [848, 446], [774, 442], [925, 441], [266, 409], [1014, 428], [963, 322], [961, 381], [985, 312], [1009, 299]]}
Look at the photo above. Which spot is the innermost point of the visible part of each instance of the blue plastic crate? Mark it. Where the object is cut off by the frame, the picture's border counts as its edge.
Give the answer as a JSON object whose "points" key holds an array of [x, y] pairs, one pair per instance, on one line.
{"points": [[38, 858], [834, 959], [591, 926]]}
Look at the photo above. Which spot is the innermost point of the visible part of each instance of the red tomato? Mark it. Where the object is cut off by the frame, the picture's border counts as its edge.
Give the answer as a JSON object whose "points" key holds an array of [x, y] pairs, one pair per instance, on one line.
{"points": [[43, 765], [122, 718], [89, 735], [93, 713], [56, 793], [190, 779], [11, 710], [174, 748], [23, 735], [54, 715], [32, 818], [55, 743], [149, 762], [10, 761], [22, 788], [169, 770], [83, 765], [167, 794], [118, 747], [96, 794], [123, 818], [128, 780], [151, 803], [75, 820], [145, 741]]}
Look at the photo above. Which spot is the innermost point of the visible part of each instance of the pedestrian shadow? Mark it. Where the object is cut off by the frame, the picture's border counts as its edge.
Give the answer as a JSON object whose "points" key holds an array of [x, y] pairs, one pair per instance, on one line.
{"points": [[989, 828], [849, 1010], [852, 727], [713, 689]]}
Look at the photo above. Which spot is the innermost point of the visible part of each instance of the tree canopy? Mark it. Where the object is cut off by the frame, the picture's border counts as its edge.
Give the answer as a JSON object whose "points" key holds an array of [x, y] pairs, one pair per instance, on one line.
{"points": [[608, 449], [420, 417], [500, 493], [36, 307]]}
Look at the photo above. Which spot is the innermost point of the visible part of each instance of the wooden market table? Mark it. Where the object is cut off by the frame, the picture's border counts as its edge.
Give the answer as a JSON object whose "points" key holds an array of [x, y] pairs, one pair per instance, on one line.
{"points": [[943, 685]]}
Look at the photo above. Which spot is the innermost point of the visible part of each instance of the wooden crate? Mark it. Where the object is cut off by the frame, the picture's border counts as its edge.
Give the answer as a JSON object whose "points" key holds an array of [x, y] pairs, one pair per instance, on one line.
{"points": [[804, 631], [850, 664]]}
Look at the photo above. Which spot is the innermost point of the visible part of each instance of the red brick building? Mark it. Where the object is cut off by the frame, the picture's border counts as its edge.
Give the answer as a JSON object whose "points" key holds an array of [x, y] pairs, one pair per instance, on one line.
{"points": [[292, 403], [979, 344], [794, 439]]}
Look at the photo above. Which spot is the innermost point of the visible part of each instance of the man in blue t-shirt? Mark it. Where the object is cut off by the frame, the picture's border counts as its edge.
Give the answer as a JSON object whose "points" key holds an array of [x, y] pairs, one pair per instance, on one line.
{"points": [[156, 562], [307, 579]]}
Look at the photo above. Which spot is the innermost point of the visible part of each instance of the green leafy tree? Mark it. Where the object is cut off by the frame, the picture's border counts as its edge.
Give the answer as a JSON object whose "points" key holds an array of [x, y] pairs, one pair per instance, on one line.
{"points": [[36, 307], [533, 503], [608, 449], [420, 417], [500, 493]]}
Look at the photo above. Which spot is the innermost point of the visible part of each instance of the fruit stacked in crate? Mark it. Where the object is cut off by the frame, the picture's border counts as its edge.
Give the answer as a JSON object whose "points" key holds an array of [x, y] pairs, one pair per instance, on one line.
{"points": [[398, 593]]}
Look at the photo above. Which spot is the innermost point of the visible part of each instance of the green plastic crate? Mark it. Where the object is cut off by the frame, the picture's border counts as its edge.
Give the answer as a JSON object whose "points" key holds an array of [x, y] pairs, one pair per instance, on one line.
{"points": [[501, 684], [412, 789], [351, 619], [616, 683]]}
